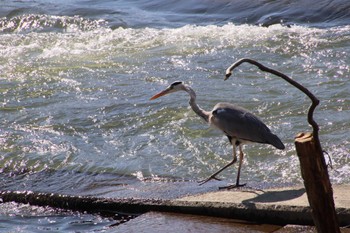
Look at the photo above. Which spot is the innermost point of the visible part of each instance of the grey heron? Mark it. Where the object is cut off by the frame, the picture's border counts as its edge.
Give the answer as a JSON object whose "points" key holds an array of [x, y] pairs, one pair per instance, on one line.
{"points": [[238, 124]]}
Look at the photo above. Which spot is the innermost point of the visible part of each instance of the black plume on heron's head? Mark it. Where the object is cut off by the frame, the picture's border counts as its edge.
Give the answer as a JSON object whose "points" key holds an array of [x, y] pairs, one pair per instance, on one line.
{"points": [[176, 86], [177, 83]]}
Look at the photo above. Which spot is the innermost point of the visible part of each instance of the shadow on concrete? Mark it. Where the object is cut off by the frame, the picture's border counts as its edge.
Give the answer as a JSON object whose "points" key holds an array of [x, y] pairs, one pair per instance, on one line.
{"points": [[275, 196]]}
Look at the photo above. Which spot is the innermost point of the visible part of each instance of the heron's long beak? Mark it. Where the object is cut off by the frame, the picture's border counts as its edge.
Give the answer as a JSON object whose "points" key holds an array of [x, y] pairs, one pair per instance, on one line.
{"points": [[166, 91]]}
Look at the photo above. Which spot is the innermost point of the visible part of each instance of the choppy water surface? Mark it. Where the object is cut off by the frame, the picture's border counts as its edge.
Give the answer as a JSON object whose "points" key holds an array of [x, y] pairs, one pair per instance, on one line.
{"points": [[25, 218], [76, 78]]}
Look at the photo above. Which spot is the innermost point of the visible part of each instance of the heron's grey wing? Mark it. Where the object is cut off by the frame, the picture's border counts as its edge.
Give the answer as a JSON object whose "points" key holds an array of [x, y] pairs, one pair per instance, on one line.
{"points": [[239, 123]]}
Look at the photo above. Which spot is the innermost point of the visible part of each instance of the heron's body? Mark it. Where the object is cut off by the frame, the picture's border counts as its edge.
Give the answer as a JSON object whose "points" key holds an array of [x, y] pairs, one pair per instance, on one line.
{"points": [[237, 123], [240, 125]]}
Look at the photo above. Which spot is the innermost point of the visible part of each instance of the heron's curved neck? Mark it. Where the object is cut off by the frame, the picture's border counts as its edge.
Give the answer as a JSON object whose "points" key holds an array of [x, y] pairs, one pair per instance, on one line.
{"points": [[199, 111]]}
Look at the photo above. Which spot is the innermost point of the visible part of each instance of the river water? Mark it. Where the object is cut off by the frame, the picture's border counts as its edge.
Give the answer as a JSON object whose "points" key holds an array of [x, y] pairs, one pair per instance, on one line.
{"points": [[76, 78]]}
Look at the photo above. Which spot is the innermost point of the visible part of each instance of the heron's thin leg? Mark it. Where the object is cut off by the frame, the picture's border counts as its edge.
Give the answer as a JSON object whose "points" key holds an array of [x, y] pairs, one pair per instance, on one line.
{"points": [[241, 156], [213, 176]]}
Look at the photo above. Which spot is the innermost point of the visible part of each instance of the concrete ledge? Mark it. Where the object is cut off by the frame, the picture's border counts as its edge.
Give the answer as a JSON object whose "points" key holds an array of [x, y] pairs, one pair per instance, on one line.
{"points": [[275, 206]]}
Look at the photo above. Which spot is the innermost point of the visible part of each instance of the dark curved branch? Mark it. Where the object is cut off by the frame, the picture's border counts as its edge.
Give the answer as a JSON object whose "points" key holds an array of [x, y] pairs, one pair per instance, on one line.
{"points": [[314, 100]]}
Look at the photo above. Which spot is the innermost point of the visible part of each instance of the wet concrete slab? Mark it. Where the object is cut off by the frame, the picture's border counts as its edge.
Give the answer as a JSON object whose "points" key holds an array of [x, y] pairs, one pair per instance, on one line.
{"points": [[303, 229], [174, 223], [185, 223], [270, 210], [279, 206]]}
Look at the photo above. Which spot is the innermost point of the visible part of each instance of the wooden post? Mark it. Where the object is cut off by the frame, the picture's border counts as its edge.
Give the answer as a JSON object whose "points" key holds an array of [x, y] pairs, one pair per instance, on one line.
{"points": [[316, 180]]}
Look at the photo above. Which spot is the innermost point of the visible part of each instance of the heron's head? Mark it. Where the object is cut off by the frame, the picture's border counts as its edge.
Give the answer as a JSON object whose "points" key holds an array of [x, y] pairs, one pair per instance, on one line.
{"points": [[174, 87]]}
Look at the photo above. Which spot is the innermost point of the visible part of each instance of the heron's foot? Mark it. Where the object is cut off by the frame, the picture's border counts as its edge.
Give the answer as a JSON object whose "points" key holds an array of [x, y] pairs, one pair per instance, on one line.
{"points": [[209, 178], [232, 186]]}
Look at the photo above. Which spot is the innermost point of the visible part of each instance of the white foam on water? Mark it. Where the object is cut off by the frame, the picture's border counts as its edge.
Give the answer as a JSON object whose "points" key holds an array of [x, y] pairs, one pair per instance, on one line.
{"points": [[94, 84]]}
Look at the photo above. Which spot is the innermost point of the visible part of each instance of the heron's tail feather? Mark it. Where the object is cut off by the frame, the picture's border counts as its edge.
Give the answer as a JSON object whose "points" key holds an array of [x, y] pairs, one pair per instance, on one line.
{"points": [[276, 142]]}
